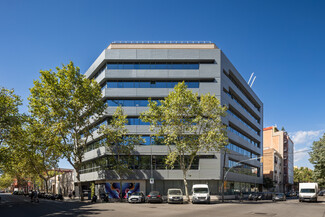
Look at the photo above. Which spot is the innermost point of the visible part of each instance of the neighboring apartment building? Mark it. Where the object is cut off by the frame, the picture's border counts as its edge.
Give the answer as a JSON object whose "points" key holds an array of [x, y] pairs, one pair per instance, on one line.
{"points": [[130, 73], [273, 168], [63, 183], [281, 142]]}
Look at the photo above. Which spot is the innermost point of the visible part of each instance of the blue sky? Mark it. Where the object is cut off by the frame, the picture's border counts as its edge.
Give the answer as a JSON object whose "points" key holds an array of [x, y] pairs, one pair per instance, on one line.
{"points": [[281, 41]]}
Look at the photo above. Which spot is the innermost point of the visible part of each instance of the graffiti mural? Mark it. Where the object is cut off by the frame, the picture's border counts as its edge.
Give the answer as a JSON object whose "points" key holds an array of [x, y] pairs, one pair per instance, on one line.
{"points": [[113, 189]]}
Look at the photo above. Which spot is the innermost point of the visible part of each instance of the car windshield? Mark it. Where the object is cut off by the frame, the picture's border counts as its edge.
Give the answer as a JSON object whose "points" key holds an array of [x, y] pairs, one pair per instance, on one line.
{"points": [[201, 190], [306, 190], [175, 192], [279, 195], [154, 193], [137, 193]]}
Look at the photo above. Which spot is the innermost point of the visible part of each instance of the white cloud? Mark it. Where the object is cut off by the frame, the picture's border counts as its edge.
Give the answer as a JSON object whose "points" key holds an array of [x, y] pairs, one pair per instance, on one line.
{"points": [[303, 141], [301, 154], [306, 137]]}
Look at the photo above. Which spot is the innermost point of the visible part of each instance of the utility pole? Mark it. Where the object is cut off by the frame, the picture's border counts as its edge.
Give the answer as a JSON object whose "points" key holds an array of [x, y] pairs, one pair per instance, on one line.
{"points": [[223, 177]]}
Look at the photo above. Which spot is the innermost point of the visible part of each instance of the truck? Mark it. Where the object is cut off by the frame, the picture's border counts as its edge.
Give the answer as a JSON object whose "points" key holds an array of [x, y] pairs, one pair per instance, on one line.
{"points": [[201, 193], [308, 192]]}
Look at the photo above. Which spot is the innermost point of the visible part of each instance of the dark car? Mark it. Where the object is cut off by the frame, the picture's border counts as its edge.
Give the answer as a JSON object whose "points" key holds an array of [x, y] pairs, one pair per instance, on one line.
{"points": [[321, 193], [279, 197], [154, 197]]}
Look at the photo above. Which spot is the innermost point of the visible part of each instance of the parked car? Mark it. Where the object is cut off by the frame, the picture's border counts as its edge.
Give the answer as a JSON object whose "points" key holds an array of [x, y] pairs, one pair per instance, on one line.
{"points": [[175, 195], [279, 197], [154, 197], [137, 197], [255, 196], [201, 193], [321, 193]]}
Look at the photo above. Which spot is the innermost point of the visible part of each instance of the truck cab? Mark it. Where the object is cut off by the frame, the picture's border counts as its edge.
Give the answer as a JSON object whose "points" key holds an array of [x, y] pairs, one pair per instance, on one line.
{"points": [[201, 193]]}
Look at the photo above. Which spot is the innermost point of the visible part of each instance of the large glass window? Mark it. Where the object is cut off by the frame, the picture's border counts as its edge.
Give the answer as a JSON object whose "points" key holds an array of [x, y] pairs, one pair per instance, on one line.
{"points": [[253, 142], [149, 84], [242, 168], [111, 66]]}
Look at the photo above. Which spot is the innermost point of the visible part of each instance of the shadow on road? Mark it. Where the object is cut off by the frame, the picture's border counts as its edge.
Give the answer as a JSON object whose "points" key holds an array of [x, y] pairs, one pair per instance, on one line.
{"points": [[16, 205]]}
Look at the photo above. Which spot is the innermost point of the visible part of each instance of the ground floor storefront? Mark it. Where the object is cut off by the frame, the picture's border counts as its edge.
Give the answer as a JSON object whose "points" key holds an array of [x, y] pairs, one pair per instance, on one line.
{"points": [[127, 187]]}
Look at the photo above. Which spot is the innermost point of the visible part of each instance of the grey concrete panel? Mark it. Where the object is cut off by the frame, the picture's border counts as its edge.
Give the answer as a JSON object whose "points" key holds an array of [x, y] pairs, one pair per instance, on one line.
{"points": [[209, 71], [128, 54], [209, 54], [160, 54], [183, 54], [96, 65], [212, 88]]}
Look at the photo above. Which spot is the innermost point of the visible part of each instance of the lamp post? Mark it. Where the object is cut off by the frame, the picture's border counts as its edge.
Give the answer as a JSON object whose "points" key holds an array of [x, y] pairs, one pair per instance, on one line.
{"points": [[224, 175]]}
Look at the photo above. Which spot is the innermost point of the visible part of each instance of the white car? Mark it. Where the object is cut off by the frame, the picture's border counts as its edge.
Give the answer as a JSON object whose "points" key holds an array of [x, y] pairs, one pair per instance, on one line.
{"points": [[175, 195], [137, 197]]}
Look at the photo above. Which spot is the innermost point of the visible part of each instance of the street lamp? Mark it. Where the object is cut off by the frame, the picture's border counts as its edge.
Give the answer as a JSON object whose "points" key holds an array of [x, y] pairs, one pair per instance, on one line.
{"points": [[225, 174]]}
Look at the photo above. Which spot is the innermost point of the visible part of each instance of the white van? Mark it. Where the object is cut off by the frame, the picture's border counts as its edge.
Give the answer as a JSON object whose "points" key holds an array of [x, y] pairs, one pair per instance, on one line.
{"points": [[201, 193], [308, 192]]}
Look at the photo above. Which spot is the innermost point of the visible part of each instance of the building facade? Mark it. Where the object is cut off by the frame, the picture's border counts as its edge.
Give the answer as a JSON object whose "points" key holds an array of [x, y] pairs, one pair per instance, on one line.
{"points": [[281, 142], [130, 73], [273, 168]]}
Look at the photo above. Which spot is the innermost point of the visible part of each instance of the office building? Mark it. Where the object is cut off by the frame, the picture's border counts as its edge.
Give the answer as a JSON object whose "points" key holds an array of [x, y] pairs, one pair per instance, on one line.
{"points": [[130, 73]]}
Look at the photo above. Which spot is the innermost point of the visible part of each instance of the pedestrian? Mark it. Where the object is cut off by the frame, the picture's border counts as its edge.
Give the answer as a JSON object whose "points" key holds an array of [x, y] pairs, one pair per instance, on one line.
{"points": [[70, 194], [241, 196], [74, 194], [32, 196]]}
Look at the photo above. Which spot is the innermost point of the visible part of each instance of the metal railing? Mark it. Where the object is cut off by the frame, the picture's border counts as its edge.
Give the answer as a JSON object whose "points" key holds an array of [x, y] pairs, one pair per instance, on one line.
{"points": [[161, 42]]}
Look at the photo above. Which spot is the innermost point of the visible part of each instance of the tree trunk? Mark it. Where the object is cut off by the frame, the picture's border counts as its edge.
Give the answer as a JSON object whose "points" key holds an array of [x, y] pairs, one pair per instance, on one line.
{"points": [[46, 186], [120, 190], [185, 186], [81, 196]]}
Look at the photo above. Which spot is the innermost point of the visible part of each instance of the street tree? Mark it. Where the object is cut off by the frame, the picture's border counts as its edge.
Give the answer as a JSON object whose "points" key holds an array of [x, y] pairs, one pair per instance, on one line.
{"points": [[120, 145], [317, 157], [40, 152], [303, 174], [6, 181], [67, 103], [188, 124], [9, 118]]}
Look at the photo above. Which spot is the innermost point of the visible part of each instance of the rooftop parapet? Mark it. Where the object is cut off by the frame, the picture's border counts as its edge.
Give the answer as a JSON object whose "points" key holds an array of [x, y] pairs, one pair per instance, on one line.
{"points": [[162, 45]]}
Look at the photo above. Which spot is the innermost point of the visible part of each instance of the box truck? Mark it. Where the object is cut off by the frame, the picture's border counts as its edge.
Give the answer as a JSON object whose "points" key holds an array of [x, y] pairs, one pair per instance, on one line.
{"points": [[308, 192]]}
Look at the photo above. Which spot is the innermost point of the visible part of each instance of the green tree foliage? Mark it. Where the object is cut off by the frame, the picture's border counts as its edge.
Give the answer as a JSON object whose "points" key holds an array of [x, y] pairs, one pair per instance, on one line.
{"points": [[39, 150], [317, 157], [67, 103], [119, 144], [189, 125], [268, 183], [6, 180], [303, 174], [9, 119]]}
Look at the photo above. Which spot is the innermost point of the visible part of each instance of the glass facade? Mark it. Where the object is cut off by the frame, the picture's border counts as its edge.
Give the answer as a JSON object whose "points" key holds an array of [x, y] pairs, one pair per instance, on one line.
{"points": [[143, 162], [148, 84], [129, 102], [242, 168], [243, 122], [152, 66], [233, 97], [257, 144], [242, 151]]}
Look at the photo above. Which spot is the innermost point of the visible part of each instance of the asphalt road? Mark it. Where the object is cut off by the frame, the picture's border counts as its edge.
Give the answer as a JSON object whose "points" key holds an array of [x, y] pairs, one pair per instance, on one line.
{"points": [[20, 206]]}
